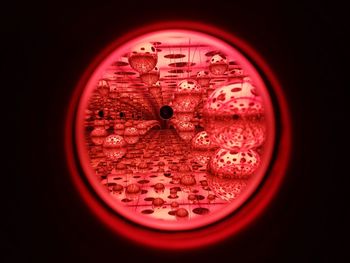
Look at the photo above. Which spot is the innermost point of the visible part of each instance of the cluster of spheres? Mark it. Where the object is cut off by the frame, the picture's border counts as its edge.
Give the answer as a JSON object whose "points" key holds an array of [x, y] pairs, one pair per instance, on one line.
{"points": [[175, 129]]}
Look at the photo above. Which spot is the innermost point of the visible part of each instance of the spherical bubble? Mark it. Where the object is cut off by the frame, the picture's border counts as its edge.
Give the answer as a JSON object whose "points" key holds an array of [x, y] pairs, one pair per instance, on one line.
{"points": [[241, 136], [114, 141], [233, 116], [218, 64], [143, 57], [202, 147], [155, 89], [98, 135], [181, 213], [237, 72], [201, 157], [99, 123], [226, 189], [131, 131], [103, 87], [132, 188], [185, 116], [184, 169], [202, 73], [202, 141], [132, 191], [157, 202], [143, 167], [131, 135], [186, 104], [114, 147], [150, 77], [114, 91], [232, 164], [174, 205], [119, 129], [187, 181], [120, 169], [235, 97], [185, 126], [203, 78], [159, 187], [186, 87], [192, 198], [128, 123], [144, 48], [185, 130], [118, 188]]}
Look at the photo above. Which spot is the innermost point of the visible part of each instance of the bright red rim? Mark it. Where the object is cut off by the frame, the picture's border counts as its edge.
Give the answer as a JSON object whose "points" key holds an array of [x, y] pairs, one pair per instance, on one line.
{"points": [[214, 233]]}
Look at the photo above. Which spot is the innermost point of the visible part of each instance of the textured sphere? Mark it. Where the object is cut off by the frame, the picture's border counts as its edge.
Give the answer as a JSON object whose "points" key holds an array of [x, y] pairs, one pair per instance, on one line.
{"points": [[143, 57], [218, 64], [98, 135], [185, 126], [186, 87], [202, 141], [151, 77], [103, 87], [159, 187], [157, 202], [132, 189], [226, 189], [114, 147], [203, 78], [233, 116], [231, 164], [181, 212], [188, 180], [114, 141], [131, 135]]}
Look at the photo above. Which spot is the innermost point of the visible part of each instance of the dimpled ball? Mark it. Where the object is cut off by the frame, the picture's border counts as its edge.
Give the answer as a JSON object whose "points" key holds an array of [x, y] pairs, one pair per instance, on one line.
{"points": [[98, 135], [203, 78], [227, 189], [233, 116], [234, 165], [202, 141], [186, 87], [151, 77], [143, 57], [218, 64], [131, 135], [114, 147]]}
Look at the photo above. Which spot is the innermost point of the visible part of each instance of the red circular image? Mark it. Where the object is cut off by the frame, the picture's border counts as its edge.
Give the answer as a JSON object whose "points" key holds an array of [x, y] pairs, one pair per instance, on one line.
{"points": [[203, 172]]}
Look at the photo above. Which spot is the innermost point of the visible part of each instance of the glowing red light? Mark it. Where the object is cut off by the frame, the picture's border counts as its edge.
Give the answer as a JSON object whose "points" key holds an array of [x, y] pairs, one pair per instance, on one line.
{"points": [[199, 167]]}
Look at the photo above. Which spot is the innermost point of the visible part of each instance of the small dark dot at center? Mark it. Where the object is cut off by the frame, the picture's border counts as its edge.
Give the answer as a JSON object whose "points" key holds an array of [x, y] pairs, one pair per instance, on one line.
{"points": [[166, 112], [235, 116], [101, 113]]}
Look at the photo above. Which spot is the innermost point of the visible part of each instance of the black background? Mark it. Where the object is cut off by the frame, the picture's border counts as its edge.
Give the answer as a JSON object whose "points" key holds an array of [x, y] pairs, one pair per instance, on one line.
{"points": [[48, 46]]}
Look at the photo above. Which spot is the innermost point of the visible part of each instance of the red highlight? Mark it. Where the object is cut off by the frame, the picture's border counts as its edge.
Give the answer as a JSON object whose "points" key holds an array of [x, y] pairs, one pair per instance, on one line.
{"points": [[228, 226]]}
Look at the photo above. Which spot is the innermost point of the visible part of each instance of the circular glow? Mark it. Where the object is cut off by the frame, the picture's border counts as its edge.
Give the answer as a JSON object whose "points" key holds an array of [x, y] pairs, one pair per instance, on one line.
{"points": [[161, 185], [231, 97]]}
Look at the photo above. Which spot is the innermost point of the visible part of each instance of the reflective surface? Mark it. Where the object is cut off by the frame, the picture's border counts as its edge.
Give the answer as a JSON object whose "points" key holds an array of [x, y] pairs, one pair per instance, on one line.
{"points": [[190, 168]]}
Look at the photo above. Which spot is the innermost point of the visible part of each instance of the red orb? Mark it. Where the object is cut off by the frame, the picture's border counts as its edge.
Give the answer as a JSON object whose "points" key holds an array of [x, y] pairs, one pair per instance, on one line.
{"points": [[234, 117], [98, 135], [203, 78], [143, 58], [131, 135], [151, 77], [103, 87], [225, 188], [218, 64], [114, 147], [232, 164]]}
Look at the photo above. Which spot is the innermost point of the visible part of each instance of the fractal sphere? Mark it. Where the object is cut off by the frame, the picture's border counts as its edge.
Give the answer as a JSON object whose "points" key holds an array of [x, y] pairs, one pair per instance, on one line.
{"points": [[192, 165]]}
